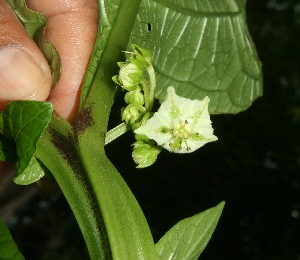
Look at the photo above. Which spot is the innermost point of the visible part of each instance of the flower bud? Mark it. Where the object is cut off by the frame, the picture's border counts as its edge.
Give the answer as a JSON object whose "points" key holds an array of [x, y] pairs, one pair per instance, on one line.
{"points": [[130, 76], [142, 138], [132, 113], [142, 54], [134, 97], [141, 121], [144, 154]]}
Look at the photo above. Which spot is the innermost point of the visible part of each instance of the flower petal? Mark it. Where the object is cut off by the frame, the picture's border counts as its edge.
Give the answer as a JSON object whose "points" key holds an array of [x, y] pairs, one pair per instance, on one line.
{"points": [[180, 125]]}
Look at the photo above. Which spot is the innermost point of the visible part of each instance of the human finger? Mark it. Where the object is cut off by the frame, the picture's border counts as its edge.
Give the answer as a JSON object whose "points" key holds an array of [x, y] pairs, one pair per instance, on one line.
{"points": [[72, 29], [24, 72]]}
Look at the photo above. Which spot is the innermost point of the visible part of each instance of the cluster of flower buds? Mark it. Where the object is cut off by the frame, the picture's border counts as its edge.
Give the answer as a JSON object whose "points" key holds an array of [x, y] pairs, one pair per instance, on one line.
{"points": [[132, 79], [136, 76]]}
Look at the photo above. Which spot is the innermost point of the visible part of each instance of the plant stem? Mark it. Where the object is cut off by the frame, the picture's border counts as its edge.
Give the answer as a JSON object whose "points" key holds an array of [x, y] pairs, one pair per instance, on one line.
{"points": [[146, 95], [152, 86], [116, 132], [128, 232], [55, 149]]}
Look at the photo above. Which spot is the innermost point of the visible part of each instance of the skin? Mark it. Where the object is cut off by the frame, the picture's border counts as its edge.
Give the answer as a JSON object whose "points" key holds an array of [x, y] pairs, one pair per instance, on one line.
{"points": [[72, 28]]}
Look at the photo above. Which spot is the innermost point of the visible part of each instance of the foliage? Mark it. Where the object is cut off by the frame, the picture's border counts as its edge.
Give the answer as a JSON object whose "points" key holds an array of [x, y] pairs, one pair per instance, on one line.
{"points": [[201, 48], [22, 123], [188, 238], [8, 248]]}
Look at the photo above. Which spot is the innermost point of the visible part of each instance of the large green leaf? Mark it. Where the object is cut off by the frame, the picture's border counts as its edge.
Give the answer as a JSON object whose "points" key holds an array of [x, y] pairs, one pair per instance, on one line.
{"points": [[35, 24], [23, 123], [202, 48], [8, 248], [188, 238]]}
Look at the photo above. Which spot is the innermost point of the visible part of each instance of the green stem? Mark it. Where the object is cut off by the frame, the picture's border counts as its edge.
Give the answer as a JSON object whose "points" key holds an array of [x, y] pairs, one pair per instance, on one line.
{"points": [[55, 149], [116, 132], [152, 86], [126, 226], [146, 95]]}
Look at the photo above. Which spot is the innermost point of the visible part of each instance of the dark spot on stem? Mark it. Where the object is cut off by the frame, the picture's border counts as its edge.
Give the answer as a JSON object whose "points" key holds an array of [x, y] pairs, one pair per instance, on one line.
{"points": [[103, 135], [149, 27], [83, 121], [67, 149]]}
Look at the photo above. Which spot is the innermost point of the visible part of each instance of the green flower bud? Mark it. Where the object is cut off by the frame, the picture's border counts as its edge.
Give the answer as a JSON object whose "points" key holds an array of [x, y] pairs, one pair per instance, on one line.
{"points": [[134, 97], [142, 121], [139, 61], [146, 117], [116, 80], [140, 57], [132, 113], [144, 154], [142, 138], [130, 76], [141, 52]]}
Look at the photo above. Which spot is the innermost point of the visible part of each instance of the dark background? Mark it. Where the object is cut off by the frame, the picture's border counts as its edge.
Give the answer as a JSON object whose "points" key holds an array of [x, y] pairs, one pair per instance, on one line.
{"points": [[254, 167]]}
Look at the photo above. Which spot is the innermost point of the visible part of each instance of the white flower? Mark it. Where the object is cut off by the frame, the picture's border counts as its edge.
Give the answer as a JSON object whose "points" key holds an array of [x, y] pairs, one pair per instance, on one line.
{"points": [[180, 125]]}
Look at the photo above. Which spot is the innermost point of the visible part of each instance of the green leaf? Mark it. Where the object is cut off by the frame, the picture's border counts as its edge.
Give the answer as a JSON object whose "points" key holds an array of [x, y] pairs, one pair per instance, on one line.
{"points": [[241, 3], [189, 237], [8, 248], [23, 124], [32, 173], [201, 48], [35, 24]]}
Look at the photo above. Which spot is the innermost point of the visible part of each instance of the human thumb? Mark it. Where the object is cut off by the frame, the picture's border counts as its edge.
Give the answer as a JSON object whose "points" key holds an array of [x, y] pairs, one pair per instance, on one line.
{"points": [[21, 77], [24, 72]]}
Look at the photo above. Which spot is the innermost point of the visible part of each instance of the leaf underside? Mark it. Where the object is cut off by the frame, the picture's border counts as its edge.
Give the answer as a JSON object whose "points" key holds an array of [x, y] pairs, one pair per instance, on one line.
{"points": [[189, 237], [201, 48], [23, 124]]}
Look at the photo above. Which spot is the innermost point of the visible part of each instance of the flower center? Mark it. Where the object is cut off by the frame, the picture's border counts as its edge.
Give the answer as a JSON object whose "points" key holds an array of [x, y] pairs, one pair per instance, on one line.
{"points": [[180, 132], [181, 129]]}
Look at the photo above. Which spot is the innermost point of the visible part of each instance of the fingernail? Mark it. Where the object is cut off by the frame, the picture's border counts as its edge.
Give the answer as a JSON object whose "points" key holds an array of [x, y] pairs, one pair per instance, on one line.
{"points": [[21, 77]]}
